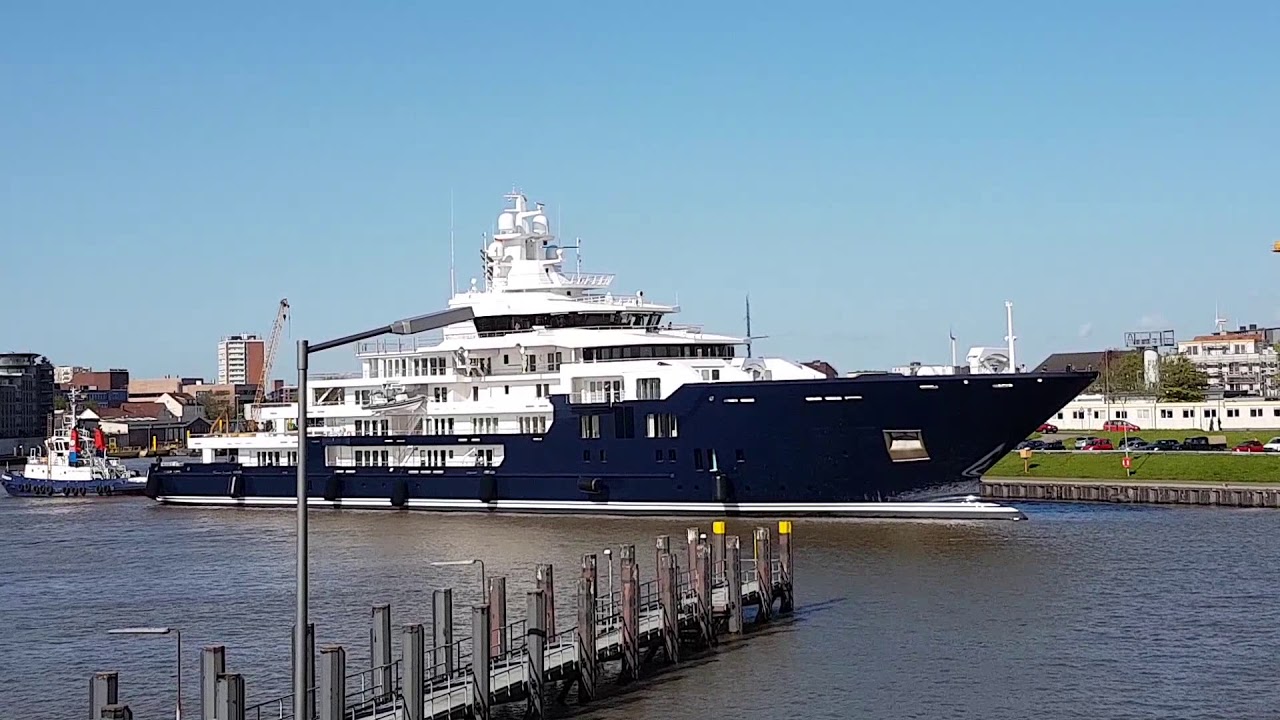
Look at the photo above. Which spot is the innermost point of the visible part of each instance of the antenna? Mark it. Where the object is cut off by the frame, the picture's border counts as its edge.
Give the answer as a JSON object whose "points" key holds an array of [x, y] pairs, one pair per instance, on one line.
{"points": [[1008, 309], [1218, 320], [750, 337], [453, 283], [951, 333]]}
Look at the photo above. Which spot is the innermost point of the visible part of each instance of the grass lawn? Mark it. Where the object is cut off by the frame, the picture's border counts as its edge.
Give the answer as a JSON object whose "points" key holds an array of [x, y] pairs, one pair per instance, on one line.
{"points": [[1187, 467]]}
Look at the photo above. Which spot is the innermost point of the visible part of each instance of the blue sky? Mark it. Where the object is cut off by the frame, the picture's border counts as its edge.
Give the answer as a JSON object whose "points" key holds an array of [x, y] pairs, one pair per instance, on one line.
{"points": [[870, 173]]}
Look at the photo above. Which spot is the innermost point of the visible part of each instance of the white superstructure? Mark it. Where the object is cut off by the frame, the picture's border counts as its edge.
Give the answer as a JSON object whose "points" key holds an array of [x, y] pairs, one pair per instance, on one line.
{"points": [[538, 331]]}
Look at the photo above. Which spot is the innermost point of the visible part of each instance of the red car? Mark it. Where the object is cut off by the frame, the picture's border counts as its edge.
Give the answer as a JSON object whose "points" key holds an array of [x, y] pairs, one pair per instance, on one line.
{"points": [[1250, 446], [1047, 428], [1119, 426], [1102, 444]]}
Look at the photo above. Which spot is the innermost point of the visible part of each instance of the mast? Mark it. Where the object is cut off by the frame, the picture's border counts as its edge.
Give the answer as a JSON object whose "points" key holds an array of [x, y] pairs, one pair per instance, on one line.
{"points": [[1013, 363], [749, 325], [453, 282]]}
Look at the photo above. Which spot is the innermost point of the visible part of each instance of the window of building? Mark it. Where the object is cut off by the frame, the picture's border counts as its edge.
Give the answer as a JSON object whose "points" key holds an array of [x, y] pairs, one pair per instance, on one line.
{"points": [[484, 425], [533, 424], [437, 365], [440, 394], [1121, 414], [1211, 413], [553, 361], [544, 390], [1233, 412], [1077, 414], [1255, 412], [531, 363], [373, 427], [1166, 414]]}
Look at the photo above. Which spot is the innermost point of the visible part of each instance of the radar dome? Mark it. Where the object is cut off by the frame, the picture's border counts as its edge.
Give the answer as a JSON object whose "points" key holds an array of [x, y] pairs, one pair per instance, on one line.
{"points": [[495, 249], [506, 222], [540, 224]]}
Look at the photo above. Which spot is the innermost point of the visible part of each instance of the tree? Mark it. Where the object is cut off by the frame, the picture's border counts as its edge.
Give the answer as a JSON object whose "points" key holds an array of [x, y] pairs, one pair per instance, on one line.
{"points": [[1121, 372], [217, 405], [1181, 380]]}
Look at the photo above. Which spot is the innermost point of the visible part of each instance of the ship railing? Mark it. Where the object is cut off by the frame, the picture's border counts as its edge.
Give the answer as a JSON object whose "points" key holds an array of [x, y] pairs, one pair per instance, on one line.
{"points": [[595, 397], [430, 341], [366, 697]]}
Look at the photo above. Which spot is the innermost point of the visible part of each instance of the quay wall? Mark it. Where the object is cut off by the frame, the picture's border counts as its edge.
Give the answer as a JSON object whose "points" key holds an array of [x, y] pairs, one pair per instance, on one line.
{"points": [[1113, 491]]}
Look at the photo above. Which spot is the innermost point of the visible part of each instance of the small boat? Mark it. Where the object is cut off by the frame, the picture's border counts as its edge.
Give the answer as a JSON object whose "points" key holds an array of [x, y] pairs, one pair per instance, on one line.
{"points": [[63, 469]]}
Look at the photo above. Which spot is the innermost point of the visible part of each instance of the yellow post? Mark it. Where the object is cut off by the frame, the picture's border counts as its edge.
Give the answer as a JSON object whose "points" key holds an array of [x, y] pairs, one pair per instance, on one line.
{"points": [[153, 443], [1025, 454], [717, 527], [784, 527]]}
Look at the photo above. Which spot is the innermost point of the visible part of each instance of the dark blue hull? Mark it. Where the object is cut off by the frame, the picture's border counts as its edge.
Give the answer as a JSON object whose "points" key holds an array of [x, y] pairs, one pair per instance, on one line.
{"points": [[19, 485], [796, 447]]}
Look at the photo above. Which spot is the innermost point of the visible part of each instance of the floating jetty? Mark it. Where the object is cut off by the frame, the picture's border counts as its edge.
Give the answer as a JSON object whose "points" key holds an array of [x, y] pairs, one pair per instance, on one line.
{"points": [[1121, 491], [695, 602]]}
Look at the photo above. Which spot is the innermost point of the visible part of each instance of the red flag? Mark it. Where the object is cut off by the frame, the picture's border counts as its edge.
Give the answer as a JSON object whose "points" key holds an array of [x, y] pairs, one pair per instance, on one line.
{"points": [[99, 442]]}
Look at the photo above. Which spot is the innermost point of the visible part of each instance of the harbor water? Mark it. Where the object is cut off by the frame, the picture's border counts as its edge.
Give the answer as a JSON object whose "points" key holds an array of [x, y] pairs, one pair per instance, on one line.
{"points": [[1079, 612]]}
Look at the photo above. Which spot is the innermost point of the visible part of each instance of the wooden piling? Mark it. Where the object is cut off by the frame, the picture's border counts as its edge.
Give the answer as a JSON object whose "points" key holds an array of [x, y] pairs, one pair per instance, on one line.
{"points": [[586, 631], [717, 552], [535, 651], [116, 712], [481, 661], [733, 583], [213, 662], [230, 697], [497, 616], [764, 573], [669, 601], [630, 628], [691, 546], [700, 577], [104, 690], [546, 583], [380, 651], [331, 703], [787, 602], [442, 632], [413, 685]]}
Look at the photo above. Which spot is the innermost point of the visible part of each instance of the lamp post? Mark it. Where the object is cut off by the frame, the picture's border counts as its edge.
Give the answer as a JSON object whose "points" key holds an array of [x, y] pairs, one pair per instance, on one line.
{"points": [[484, 589], [410, 326], [160, 631]]}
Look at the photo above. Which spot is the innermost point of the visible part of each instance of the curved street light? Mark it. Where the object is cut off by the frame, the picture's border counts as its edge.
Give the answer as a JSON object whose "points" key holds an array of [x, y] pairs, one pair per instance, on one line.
{"points": [[408, 326]]}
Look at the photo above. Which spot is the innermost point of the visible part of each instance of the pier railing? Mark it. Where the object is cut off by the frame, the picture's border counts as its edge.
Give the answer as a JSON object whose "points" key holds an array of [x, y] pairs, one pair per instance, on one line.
{"points": [[693, 601]]}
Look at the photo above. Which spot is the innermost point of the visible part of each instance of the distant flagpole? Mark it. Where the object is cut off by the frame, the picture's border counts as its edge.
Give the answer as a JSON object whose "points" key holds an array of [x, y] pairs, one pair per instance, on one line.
{"points": [[952, 334]]}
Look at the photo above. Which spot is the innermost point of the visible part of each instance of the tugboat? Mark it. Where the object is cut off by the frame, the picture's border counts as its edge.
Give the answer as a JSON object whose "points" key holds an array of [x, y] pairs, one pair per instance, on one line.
{"points": [[63, 470]]}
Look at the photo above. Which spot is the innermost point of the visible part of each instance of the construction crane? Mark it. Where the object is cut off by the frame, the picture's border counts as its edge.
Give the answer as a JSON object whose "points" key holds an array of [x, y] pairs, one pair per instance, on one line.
{"points": [[269, 359]]}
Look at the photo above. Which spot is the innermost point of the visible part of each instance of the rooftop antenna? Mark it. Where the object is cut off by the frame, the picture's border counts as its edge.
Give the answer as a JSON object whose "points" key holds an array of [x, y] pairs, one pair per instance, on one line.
{"points": [[951, 333], [1218, 320], [750, 337], [453, 282]]}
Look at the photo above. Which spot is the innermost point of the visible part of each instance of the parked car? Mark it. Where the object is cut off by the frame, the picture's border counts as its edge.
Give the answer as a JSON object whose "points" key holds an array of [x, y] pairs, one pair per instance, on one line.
{"points": [[1030, 445], [1132, 443], [1164, 445], [1250, 446], [1203, 443], [1047, 428], [1099, 444], [1119, 426], [1084, 440], [1053, 445], [1272, 445]]}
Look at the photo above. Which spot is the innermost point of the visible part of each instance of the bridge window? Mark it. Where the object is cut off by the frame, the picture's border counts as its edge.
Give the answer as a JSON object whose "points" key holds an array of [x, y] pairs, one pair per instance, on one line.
{"points": [[649, 389], [905, 445], [661, 425], [590, 426]]}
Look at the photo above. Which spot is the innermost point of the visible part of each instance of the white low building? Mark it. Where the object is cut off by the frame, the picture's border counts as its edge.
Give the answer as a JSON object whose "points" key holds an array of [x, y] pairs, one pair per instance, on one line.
{"points": [[1089, 412]]}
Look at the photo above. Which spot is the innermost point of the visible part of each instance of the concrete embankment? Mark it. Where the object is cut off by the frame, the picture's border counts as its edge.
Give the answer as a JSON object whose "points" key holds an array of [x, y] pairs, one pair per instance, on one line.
{"points": [[1125, 491]]}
